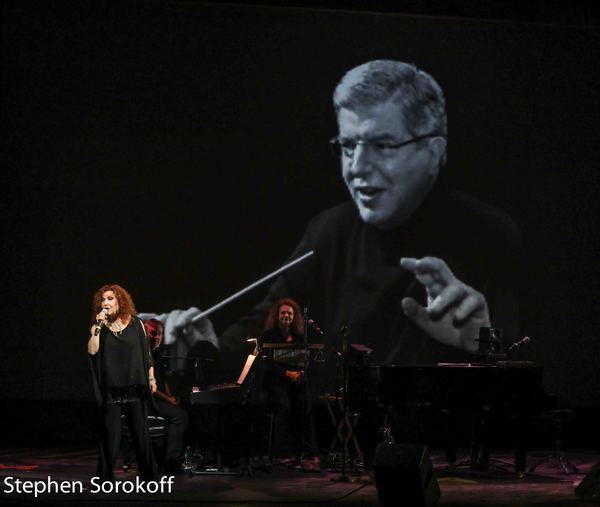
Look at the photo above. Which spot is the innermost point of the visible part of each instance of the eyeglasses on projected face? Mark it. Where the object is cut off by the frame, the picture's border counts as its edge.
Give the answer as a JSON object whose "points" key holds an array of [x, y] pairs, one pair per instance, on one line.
{"points": [[347, 147]]}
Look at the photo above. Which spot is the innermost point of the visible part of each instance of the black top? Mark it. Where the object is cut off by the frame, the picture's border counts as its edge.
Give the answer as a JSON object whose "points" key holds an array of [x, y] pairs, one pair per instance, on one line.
{"points": [[120, 367], [354, 278]]}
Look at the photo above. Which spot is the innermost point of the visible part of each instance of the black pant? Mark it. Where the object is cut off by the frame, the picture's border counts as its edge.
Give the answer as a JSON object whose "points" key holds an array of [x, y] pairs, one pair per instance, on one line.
{"points": [[110, 441], [177, 420], [293, 425]]}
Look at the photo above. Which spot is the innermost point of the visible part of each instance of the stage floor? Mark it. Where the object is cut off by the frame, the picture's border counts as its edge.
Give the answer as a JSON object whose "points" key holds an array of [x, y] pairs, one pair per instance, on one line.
{"points": [[283, 485]]}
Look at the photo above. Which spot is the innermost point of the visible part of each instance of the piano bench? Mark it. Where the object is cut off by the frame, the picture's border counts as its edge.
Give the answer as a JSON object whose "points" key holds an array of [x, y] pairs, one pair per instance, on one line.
{"points": [[557, 420]]}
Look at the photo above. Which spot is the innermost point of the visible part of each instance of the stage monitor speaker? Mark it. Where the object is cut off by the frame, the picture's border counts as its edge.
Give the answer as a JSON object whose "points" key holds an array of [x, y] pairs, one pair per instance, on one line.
{"points": [[589, 487], [404, 476]]}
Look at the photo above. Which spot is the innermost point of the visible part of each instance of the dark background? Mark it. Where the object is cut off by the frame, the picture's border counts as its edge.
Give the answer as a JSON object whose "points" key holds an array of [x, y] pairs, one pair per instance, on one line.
{"points": [[179, 149]]}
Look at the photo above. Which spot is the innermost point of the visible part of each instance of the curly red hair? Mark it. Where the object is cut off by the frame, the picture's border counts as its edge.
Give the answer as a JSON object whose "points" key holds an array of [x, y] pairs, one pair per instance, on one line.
{"points": [[126, 306], [297, 324]]}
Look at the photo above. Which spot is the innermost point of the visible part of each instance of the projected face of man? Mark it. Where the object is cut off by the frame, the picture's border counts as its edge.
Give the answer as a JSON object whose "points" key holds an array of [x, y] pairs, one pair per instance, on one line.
{"points": [[387, 183]]}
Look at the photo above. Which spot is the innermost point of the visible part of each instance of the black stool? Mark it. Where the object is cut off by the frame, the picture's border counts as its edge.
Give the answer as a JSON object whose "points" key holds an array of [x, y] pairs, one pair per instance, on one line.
{"points": [[557, 419], [157, 429]]}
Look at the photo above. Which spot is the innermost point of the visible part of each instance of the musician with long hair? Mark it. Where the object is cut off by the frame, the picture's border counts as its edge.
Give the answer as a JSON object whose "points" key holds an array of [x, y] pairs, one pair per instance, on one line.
{"points": [[285, 382], [123, 377]]}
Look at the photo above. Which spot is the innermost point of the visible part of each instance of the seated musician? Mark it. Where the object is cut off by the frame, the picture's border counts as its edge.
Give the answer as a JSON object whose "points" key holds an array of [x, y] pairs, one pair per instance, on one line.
{"points": [[284, 381], [166, 404]]}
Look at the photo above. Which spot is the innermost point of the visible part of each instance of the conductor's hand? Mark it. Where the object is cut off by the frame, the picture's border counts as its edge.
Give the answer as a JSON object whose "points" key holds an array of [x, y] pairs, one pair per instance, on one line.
{"points": [[296, 377], [180, 325], [454, 311]]}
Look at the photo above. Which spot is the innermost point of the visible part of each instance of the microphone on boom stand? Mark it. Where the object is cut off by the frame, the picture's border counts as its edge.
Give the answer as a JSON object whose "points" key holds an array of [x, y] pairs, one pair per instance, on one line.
{"points": [[343, 477]]}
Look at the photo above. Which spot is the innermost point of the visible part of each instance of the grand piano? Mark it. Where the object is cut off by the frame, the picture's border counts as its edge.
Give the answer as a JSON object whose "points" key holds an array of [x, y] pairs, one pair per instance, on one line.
{"points": [[479, 389], [506, 385]]}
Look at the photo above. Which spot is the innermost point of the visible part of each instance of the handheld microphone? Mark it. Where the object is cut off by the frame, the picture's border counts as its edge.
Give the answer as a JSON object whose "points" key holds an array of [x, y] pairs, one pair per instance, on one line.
{"points": [[100, 323]]}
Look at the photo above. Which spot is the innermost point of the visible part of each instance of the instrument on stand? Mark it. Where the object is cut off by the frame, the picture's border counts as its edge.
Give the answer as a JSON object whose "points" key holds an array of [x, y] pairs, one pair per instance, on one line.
{"points": [[219, 395], [226, 393]]}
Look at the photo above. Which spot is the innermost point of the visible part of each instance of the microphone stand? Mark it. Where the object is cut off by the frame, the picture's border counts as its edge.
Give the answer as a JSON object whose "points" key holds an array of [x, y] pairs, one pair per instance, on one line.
{"points": [[305, 379], [344, 477]]}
